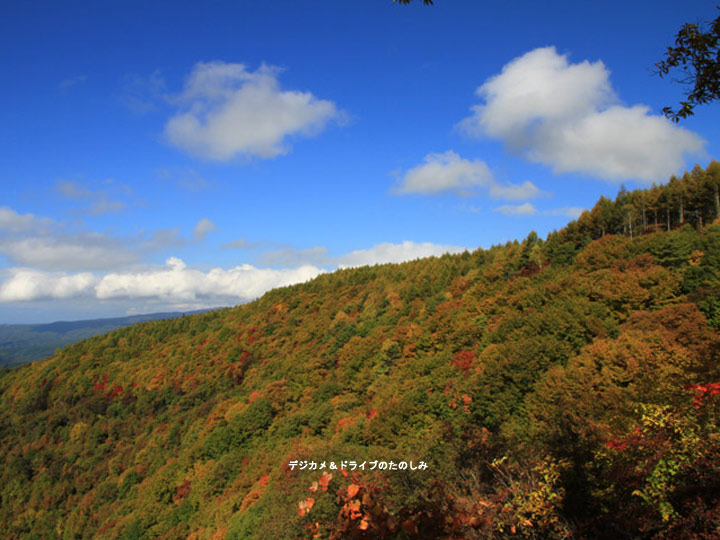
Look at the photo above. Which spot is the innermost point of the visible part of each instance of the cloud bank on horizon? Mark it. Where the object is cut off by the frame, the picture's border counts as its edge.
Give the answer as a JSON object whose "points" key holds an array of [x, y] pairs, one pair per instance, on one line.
{"points": [[176, 283], [52, 263]]}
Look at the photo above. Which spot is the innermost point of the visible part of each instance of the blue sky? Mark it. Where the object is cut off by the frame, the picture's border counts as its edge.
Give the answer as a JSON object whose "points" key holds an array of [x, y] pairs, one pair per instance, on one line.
{"points": [[180, 155]]}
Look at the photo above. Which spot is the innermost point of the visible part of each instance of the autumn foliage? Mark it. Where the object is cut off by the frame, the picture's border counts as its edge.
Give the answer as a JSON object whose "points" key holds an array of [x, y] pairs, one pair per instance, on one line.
{"points": [[558, 388]]}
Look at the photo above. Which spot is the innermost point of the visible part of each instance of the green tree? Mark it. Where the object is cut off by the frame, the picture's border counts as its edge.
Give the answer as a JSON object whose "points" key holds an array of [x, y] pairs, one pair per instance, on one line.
{"points": [[696, 55]]}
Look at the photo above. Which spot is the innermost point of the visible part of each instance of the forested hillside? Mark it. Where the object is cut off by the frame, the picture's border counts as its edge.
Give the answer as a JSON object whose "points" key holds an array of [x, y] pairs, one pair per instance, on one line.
{"points": [[21, 343], [558, 388]]}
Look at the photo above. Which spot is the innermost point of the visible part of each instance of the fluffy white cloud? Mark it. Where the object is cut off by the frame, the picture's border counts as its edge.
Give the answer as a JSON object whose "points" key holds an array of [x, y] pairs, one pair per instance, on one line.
{"points": [[26, 284], [203, 227], [394, 253], [228, 111], [567, 116], [525, 209], [445, 172], [449, 172]]}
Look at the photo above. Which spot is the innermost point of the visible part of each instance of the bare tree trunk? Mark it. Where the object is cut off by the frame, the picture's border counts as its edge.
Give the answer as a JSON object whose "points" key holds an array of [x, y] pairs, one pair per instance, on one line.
{"points": [[644, 220], [667, 210]]}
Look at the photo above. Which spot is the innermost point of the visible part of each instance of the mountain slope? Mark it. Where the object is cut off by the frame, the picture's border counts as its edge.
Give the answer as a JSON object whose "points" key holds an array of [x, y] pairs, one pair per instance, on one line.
{"points": [[564, 387], [22, 343]]}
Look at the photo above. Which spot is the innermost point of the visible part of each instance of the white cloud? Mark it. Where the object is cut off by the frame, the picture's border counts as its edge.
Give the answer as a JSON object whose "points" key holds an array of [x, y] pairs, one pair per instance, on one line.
{"points": [[394, 253], [445, 172], [449, 172], [525, 209], [175, 283], [567, 116], [228, 111], [26, 284], [203, 227]]}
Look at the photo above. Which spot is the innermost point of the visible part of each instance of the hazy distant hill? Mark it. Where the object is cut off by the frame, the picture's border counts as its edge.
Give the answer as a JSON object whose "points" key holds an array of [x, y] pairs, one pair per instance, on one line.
{"points": [[22, 343]]}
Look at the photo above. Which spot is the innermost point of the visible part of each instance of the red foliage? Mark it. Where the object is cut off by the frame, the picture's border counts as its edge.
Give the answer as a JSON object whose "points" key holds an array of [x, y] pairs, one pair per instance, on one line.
{"points": [[616, 445], [101, 385], [182, 491], [632, 439], [116, 391], [703, 391], [344, 422], [463, 360], [107, 526], [252, 336]]}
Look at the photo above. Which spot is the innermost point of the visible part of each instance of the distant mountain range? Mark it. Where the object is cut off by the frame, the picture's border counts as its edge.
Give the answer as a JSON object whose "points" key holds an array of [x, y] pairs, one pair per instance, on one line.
{"points": [[23, 343]]}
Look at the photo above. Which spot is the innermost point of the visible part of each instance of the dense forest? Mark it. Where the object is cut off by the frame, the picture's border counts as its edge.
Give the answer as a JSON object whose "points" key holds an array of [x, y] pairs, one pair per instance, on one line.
{"points": [[558, 388]]}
